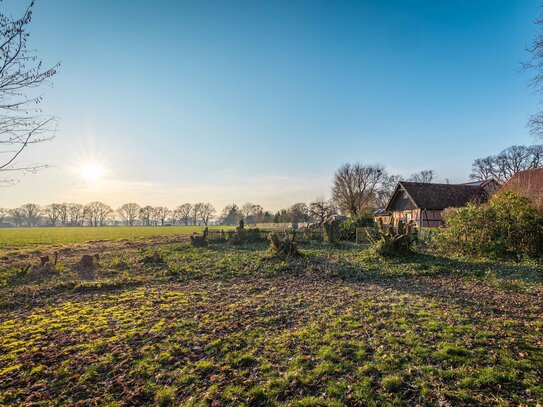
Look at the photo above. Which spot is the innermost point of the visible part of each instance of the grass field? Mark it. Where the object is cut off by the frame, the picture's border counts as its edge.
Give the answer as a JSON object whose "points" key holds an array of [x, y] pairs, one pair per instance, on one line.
{"points": [[229, 325], [21, 237]]}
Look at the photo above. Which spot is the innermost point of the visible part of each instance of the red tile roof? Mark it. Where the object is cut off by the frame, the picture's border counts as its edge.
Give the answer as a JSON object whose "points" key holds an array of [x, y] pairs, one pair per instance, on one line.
{"points": [[527, 183]]}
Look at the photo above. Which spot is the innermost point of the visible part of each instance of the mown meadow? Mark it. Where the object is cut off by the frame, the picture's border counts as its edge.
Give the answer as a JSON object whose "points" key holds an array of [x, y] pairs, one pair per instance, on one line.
{"points": [[24, 237], [158, 322]]}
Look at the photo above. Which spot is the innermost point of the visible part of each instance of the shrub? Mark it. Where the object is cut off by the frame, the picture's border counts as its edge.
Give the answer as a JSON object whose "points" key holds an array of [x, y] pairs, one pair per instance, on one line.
{"points": [[242, 236], [313, 232], [330, 228], [347, 228], [428, 239], [507, 225]]}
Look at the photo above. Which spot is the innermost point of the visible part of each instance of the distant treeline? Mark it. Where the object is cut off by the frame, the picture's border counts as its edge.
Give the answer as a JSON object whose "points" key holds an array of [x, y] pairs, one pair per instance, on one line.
{"points": [[356, 189], [130, 214]]}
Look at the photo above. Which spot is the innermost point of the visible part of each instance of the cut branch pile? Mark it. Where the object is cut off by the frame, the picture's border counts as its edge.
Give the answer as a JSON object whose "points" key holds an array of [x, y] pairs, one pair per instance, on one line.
{"points": [[285, 246], [395, 241]]}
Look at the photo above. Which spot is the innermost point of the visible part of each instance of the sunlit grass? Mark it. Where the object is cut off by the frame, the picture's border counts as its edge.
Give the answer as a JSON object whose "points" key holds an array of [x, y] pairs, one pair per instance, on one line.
{"points": [[64, 235], [236, 325]]}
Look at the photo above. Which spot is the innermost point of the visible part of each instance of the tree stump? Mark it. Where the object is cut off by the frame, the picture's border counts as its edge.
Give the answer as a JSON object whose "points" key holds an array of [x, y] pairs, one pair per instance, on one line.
{"points": [[44, 260], [87, 260]]}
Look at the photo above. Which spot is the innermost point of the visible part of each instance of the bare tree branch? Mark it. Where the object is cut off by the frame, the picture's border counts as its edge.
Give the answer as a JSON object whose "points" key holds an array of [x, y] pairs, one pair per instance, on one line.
{"points": [[358, 187], [504, 165], [425, 176], [21, 120]]}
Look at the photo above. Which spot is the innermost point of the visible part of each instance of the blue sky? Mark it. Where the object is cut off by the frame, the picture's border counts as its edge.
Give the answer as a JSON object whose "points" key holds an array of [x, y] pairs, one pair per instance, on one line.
{"points": [[235, 101]]}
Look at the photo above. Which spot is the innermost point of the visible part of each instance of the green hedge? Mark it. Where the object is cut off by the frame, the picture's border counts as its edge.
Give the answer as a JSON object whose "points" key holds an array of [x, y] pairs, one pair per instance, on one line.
{"points": [[507, 225], [347, 228]]}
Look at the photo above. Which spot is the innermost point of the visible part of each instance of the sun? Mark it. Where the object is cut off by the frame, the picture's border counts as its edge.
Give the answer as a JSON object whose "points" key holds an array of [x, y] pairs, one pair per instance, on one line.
{"points": [[92, 172]]}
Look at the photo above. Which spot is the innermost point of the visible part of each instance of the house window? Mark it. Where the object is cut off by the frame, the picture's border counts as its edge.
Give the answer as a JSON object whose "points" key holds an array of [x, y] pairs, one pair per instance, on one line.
{"points": [[408, 217]]}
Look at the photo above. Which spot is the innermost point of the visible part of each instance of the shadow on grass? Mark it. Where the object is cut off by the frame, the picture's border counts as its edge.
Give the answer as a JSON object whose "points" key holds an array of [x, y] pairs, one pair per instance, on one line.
{"points": [[494, 287], [425, 274], [432, 264], [509, 288], [38, 296]]}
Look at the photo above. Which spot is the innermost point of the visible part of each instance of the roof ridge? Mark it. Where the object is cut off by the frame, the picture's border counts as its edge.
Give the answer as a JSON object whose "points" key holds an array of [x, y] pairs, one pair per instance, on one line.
{"points": [[529, 169], [428, 195], [441, 183]]}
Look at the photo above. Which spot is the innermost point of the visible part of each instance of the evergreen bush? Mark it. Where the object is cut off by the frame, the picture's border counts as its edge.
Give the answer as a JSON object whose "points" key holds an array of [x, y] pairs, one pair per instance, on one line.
{"points": [[507, 225], [347, 228]]}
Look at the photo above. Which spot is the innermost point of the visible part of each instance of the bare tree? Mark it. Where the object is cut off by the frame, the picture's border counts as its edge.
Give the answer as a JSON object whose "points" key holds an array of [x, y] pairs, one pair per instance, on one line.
{"points": [[22, 122], [518, 158], [503, 166], [30, 213], [387, 189], [154, 216], [182, 213], [246, 209], [425, 176], [4, 213], [252, 213], [129, 212], [146, 214], [161, 213], [53, 212], [105, 213], [196, 213], [206, 212], [535, 64], [356, 187], [63, 213], [97, 213], [75, 214], [320, 209], [17, 216], [483, 168], [299, 212]]}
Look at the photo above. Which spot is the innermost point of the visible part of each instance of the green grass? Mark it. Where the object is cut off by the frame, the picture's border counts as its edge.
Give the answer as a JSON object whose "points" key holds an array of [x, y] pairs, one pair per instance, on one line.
{"points": [[238, 326], [24, 237]]}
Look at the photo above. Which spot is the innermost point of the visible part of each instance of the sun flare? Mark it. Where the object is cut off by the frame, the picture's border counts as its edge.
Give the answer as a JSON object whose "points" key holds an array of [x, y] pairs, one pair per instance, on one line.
{"points": [[91, 172]]}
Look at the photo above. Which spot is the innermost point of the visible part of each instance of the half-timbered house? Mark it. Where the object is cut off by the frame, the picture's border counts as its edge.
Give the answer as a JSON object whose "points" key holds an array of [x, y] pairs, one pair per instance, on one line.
{"points": [[424, 203]]}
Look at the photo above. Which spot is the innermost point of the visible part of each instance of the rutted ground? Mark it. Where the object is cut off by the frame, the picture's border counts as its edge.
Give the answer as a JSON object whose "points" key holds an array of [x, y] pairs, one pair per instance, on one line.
{"points": [[224, 326]]}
